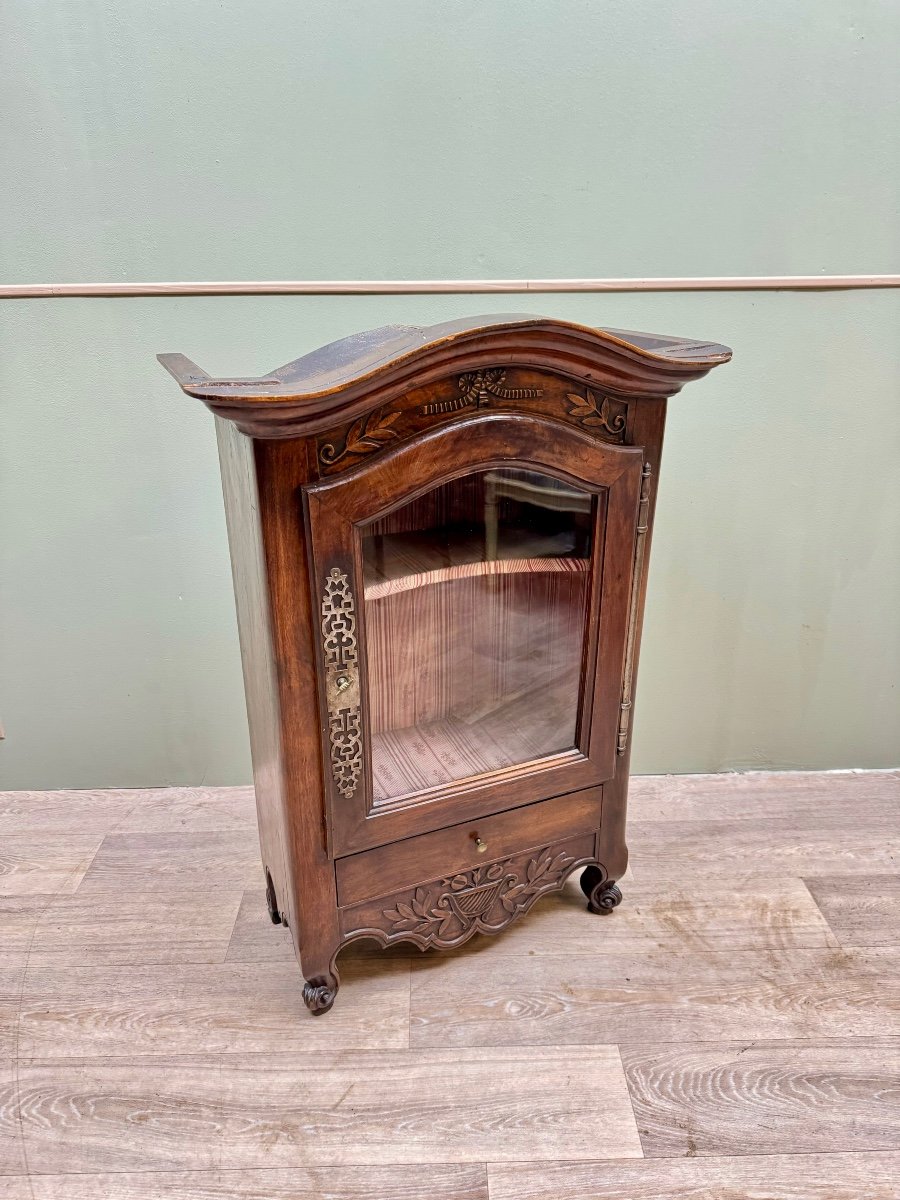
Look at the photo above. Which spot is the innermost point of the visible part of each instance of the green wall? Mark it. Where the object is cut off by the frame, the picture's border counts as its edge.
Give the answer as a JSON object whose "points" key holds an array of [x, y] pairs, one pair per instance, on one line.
{"points": [[192, 139]]}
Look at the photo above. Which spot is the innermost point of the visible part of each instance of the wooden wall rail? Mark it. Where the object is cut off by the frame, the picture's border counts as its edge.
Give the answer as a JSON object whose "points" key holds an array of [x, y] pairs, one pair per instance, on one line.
{"points": [[408, 287]]}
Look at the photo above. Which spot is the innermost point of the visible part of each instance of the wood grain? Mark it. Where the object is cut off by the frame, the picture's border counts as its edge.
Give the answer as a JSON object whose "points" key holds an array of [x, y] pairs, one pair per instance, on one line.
{"points": [[667, 995], [345, 379], [862, 843], [199, 1008], [823, 795], [770, 1098], [125, 926], [18, 917], [12, 1158], [9, 1009], [243, 507], [32, 863], [752, 1177], [421, 860], [49, 813], [138, 810], [286, 1110], [760, 915], [434, 1181], [18, 1187], [192, 809], [163, 1048], [254, 938], [863, 910], [148, 862]]}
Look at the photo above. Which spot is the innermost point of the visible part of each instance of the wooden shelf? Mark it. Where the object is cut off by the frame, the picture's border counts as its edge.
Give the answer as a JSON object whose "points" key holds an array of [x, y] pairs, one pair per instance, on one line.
{"points": [[499, 566]]}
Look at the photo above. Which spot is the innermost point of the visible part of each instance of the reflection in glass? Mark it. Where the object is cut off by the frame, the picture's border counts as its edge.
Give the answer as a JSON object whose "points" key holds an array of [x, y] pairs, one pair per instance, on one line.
{"points": [[475, 599]]}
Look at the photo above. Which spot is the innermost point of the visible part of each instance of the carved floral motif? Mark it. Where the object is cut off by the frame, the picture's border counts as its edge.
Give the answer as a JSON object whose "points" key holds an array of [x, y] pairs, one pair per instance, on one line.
{"points": [[593, 415], [477, 387], [604, 415], [481, 900], [476, 390], [365, 435]]}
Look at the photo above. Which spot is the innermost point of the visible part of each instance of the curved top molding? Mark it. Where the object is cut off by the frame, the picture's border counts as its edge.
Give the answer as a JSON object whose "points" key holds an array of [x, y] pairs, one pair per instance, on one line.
{"points": [[351, 376]]}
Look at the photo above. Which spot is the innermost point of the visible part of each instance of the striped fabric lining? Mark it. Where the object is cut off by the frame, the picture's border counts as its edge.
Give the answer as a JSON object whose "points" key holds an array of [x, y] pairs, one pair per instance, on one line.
{"points": [[472, 668], [498, 566]]}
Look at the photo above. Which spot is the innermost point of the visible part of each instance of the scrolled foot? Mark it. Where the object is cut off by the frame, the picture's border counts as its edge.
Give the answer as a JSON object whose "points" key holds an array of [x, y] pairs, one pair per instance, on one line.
{"points": [[605, 899], [319, 997], [602, 893]]}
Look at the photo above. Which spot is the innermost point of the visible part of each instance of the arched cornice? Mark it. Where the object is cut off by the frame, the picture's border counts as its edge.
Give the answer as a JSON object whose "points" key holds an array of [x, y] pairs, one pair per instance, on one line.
{"points": [[351, 377]]}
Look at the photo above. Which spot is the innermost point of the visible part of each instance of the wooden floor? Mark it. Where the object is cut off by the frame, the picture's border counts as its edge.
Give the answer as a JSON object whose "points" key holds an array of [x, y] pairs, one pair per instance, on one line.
{"points": [[730, 1031]]}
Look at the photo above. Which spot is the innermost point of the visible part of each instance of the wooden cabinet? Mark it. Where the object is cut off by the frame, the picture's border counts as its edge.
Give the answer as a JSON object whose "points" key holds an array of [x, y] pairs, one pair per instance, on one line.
{"points": [[439, 543]]}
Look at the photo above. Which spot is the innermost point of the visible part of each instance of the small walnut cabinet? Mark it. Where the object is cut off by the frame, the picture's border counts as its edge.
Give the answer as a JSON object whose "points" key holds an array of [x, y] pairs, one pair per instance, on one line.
{"points": [[439, 539]]}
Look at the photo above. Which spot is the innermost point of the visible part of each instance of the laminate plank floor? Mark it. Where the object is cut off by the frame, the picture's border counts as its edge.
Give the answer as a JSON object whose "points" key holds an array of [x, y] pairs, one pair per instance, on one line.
{"points": [[432, 1182], [358, 1107], [669, 995], [731, 1030], [190, 1008], [765, 1097], [863, 911], [125, 926], [32, 863], [740, 1177]]}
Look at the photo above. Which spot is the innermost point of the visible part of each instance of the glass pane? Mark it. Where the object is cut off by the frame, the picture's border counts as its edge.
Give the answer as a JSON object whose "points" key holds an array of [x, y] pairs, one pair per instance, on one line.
{"points": [[475, 615]]}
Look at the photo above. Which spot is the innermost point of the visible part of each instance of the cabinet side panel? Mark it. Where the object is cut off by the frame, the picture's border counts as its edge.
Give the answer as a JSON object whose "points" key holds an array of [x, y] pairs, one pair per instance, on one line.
{"points": [[239, 486], [647, 432]]}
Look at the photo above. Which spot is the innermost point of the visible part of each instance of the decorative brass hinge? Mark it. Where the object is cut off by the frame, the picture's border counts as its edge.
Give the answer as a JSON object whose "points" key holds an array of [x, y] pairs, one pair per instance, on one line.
{"points": [[341, 653], [628, 673]]}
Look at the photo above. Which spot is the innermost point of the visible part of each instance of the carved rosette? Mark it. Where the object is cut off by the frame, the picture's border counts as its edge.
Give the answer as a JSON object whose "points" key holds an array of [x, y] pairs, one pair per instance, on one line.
{"points": [[483, 899], [341, 654]]}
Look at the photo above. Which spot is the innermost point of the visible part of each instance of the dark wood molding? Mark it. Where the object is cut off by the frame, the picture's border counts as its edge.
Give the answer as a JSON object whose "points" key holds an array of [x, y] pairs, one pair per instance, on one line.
{"points": [[356, 375], [421, 410], [445, 913]]}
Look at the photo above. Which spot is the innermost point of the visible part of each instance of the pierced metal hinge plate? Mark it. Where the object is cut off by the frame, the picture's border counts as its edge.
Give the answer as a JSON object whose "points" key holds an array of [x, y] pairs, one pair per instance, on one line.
{"points": [[340, 649]]}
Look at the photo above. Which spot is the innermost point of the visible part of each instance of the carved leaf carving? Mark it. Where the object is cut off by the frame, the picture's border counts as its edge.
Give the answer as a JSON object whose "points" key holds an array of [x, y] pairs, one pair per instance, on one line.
{"points": [[579, 408], [371, 435], [586, 410], [364, 435], [482, 899]]}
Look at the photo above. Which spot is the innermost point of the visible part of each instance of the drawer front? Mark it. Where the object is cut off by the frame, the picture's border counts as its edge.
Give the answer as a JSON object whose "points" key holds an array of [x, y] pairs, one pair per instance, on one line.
{"points": [[484, 899], [466, 847]]}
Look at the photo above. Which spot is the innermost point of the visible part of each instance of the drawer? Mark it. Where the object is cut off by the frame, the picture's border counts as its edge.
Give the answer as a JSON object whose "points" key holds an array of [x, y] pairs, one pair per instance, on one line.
{"points": [[417, 860]]}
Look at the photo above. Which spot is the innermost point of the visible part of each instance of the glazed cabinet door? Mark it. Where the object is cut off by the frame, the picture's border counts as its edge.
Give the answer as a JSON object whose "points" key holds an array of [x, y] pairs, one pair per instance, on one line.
{"points": [[472, 590]]}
